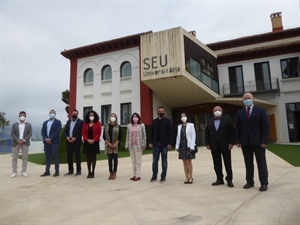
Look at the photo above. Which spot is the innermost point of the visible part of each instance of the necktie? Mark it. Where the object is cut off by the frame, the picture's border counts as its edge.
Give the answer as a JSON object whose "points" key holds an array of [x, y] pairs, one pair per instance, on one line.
{"points": [[248, 113]]}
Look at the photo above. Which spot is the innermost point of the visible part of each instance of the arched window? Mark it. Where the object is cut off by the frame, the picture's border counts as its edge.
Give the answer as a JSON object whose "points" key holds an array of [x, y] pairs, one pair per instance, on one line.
{"points": [[126, 69], [88, 76], [106, 73]]}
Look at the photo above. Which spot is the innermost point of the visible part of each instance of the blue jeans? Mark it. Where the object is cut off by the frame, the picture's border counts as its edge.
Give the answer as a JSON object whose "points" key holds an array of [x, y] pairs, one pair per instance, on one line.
{"points": [[51, 149], [157, 150]]}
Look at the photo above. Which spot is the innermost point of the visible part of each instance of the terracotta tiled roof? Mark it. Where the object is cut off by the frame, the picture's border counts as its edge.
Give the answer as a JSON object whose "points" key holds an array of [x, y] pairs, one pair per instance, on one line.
{"points": [[255, 39], [259, 52], [104, 47]]}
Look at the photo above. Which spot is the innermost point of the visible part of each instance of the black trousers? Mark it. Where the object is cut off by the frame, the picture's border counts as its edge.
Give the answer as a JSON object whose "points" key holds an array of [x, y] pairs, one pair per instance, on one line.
{"points": [[217, 155], [112, 162], [73, 149], [260, 156]]}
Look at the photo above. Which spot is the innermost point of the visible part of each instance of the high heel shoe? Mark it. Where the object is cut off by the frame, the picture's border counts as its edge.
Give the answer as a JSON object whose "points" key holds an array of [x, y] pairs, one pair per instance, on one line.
{"points": [[186, 181], [89, 175], [190, 181]]}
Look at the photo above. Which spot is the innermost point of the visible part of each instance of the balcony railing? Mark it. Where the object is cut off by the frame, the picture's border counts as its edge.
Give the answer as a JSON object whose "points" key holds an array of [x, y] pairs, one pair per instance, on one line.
{"points": [[252, 86], [207, 80]]}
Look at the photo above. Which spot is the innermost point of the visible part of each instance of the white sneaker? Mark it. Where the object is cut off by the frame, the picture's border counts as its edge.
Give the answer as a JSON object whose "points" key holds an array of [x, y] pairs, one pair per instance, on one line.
{"points": [[24, 174], [13, 175]]}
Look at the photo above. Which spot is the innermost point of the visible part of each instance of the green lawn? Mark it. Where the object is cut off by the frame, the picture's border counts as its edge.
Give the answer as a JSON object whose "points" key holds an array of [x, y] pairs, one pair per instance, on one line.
{"points": [[290, 153], [39, 158]]}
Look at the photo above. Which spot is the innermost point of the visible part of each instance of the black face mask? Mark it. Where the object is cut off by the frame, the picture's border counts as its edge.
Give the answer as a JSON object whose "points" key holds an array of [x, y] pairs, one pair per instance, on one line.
{"points": [[74, 117], [161, 115]]}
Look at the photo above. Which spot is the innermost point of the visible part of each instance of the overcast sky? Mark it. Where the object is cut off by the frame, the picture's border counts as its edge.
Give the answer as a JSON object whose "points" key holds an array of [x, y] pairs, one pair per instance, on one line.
{"points": [[33, 33]]}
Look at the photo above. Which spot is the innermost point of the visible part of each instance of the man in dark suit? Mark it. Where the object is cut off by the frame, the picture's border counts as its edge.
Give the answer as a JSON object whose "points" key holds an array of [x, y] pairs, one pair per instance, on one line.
{"points": [[220, 138], [50, 133], [73, 134], [160, 141], [252, 134]]}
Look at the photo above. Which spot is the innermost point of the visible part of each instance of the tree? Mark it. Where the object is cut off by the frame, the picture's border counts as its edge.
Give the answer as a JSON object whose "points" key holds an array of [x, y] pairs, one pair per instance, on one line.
{"points": [[65, 98], [3, 121]]}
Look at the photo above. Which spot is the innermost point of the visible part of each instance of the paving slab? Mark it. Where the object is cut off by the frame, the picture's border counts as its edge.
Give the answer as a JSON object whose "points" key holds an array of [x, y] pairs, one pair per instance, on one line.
{"points": [[76, 200]]}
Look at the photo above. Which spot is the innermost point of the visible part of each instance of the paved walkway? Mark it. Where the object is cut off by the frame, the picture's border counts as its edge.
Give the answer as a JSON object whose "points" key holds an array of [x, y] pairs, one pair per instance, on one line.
{"points": [[69, 200]]}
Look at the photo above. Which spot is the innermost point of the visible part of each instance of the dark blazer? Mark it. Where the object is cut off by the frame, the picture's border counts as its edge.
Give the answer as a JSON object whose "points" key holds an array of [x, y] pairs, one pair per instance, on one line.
{"points": [[255, 130], [54, 131], [165, 133], [224, 136], [16, 136], [96, 131], [77, 130]]}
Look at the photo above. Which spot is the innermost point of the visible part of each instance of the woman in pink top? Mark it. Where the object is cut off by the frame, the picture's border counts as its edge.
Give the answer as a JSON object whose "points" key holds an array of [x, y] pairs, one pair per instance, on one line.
{"points": [[136, 143]]}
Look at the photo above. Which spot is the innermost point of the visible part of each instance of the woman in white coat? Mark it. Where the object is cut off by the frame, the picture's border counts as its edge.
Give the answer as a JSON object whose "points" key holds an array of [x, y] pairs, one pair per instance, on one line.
{"points": [[185, 143], [136, 143]]}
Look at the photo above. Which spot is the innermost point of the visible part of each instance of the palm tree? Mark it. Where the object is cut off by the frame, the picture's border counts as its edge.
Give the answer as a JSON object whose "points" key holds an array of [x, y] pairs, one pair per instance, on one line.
{"points": [[3, 121]]}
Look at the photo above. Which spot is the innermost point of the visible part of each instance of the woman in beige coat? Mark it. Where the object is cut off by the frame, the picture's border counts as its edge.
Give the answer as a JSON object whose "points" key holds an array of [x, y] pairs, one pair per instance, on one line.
{"points": [[136, 143]]}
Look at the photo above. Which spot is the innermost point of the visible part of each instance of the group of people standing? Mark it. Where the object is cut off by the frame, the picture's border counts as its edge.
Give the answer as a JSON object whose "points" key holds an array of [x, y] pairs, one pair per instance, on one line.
{"points": [[251, 133]]}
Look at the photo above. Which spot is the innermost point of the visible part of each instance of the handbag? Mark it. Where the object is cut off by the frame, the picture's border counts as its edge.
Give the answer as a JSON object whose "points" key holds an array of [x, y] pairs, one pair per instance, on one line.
{"points": [[195, 150]]}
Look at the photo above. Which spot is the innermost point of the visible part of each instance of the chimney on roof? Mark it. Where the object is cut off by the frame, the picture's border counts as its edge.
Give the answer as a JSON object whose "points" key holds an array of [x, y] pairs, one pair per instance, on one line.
{"points": [[276, 22], [193, 32]]}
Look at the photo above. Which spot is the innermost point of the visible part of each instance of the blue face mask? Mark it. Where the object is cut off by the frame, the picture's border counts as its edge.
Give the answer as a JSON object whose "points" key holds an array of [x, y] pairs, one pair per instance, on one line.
{"points": [[248, 102], [52, 115]]}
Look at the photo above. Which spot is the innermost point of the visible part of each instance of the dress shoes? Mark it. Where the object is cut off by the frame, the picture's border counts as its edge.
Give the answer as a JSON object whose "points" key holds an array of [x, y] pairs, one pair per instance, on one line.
{"points": [[69, 173], [136, 178], [263, 187], [77, 173], [153, 179], [45, 174], [218, 182], [56, 174], [132, 178], [163, 179], [248, 185], [230, 184]]}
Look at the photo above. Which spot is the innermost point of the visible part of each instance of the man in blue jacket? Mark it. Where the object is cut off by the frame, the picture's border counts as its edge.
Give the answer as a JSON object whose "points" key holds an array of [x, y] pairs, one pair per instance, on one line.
{"points": [[50, 133], [160, 141], [252, 134]]}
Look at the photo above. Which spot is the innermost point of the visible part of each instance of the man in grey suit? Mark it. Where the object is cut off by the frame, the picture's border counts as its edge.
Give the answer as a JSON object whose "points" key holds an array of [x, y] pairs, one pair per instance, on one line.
{"points": [[21, 132]]}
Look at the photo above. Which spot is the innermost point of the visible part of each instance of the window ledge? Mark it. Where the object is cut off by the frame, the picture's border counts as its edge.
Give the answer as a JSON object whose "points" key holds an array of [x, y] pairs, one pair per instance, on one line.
{"points": [[286, 80], [88, 84]]}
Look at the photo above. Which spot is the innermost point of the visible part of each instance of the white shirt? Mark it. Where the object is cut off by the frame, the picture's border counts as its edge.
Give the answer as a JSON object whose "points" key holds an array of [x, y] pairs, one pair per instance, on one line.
{"points": [[49, 124], [21, 130], [72, 125]]}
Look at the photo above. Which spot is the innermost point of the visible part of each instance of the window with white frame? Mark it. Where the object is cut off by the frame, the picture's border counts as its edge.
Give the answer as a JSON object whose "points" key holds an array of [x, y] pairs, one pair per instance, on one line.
{"points": [[290, 67], [86, 110], [88, 76], [105, 113], [262, 76], [236, 80], [125, 69], [106, 73], [125, 113]]}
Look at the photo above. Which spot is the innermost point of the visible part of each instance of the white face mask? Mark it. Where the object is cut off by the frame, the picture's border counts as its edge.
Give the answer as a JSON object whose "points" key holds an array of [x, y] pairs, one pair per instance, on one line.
{"points": [[184, 119], [91, 118], [112, 119], [22, 118], [218, 113]]}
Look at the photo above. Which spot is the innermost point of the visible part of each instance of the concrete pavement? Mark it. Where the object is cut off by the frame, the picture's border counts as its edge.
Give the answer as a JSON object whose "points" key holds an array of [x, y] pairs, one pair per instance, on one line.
{"points": [[70, 200]]}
